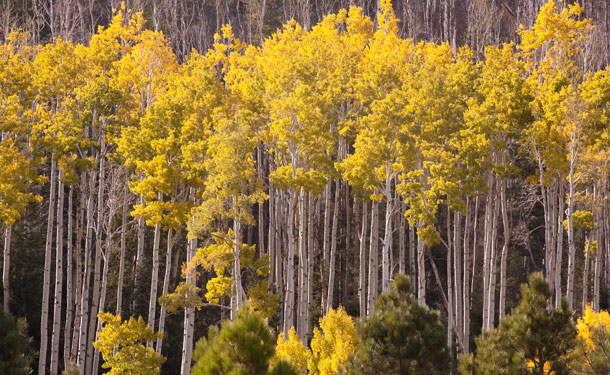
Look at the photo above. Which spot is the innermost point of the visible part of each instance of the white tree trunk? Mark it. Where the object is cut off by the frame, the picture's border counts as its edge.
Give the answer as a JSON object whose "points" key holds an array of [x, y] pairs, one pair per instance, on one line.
{"points": [[166, 278], [387, 237], [59, 273], [289, 295], [84, 306], [46, 288], [6, 264], [189, 316], [333, 249], [362, 270], [69, 282], [373, 259]]}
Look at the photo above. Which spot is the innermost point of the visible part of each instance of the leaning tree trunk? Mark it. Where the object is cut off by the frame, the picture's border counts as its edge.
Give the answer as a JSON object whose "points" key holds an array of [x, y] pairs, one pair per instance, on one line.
{"points": [[44, 319]]}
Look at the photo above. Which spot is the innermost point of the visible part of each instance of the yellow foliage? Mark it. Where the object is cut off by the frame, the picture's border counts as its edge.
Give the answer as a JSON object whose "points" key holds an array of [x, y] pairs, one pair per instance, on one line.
{"points": [[292, 350]]}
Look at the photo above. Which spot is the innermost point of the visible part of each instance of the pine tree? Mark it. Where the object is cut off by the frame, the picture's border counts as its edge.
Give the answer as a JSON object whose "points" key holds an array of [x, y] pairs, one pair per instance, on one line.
{"points": [[531, 340], [15, 351], [400, 337], [243, 346]]}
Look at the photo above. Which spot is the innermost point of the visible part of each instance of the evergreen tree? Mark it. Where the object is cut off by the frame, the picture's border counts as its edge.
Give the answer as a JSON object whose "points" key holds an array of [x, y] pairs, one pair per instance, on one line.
{"points": [[15, 351], [531, 340], [243, 346], [400, 337]]}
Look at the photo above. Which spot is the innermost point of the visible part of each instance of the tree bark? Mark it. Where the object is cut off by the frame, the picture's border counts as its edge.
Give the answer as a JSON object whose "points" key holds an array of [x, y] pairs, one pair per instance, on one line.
{"points": [[6, 264], [373, 259], [44, 320], [362, 270], [59, 273]]}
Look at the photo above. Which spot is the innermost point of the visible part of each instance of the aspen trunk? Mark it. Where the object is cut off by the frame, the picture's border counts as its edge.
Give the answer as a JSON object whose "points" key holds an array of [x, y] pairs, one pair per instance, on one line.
{"points": [[59, 272], [466, 281], [487, 250], [450, 307], [166, 278], [96, 294], [387, 237], [84, 306], [333, 248], [119, 289], [261, 220], [506, 225], [585, 276], [154, 279], [289, 295], [571, 244], [302, 269], [362, 271], [69, 282], [80, 214], [189, 316], [402, 227], [412, 259], [421, 270], [239, 289], [6, 269], [44, 319], [457, 271], [373, 259], [325, 244], [559, 251], [311, 250]]}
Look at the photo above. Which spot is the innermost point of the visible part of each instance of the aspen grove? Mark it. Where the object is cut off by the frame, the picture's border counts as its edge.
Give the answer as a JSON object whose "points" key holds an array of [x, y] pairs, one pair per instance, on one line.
{"points": [[157, 182]]}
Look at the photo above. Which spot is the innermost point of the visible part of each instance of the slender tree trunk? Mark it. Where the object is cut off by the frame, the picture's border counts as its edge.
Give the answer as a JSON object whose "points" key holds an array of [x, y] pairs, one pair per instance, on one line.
{"points": [[46, 289], [6, 264], [139, 255], [421, 270], [154, 279], [373, 259], [95, 296], [311, 250], [585, 276], [239, 289], [412, 259], [387, 238], [487, 250], [506, 224], [189, 315], [324, 267], [559, 253], [59, 273], [450, 306], [571, 243], [466, 281], [289, 295], [402, 228], [362, 271], [333, 248], [84, 305], [457, 271], [69, 282], [166, 278], [119, 289], [302, 269]]}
